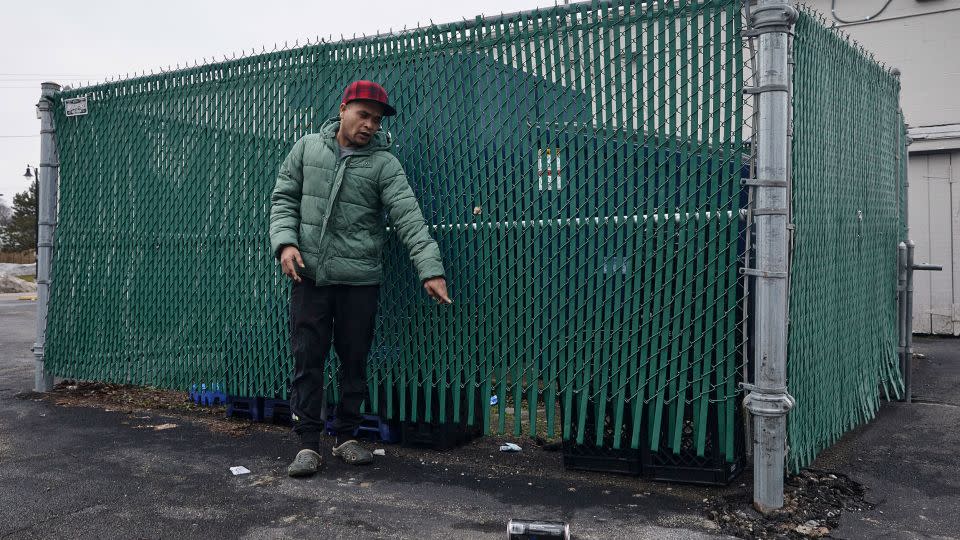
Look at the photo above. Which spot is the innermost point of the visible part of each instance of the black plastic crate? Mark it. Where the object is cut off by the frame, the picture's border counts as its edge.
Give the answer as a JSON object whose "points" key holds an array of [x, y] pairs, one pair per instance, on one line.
{"points": [[436, 436], [582, 457], [248, 407], [685, 466], [277, 411], [588, 456], [448, 434]]}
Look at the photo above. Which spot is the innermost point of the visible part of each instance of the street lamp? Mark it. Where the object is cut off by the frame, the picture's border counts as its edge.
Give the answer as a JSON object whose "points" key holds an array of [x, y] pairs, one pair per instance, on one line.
{"points": [[28, 175]]}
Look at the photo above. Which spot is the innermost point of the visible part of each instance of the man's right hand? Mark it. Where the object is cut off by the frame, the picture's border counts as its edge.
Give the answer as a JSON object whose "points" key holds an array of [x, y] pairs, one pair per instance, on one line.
{"points": [[289, 262]]}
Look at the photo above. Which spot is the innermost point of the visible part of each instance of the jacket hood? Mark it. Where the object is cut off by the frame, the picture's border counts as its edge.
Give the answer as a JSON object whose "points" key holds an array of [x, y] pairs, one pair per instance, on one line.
{"points": [[381, 140]]}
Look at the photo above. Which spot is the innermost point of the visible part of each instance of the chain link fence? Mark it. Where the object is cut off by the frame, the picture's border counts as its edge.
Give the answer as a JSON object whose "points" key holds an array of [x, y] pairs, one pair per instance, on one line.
{"points": [[848, 164], [580, 167]]}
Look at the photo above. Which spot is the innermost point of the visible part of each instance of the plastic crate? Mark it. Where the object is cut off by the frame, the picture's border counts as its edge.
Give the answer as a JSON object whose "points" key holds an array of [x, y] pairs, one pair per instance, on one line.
{"points": [[375, 428], [665, 464], [436, 436], [582, 457], [448, 434], [588, 456], [207, 396], [371, 427], [277, 411], [685, 466], [248, 407]]}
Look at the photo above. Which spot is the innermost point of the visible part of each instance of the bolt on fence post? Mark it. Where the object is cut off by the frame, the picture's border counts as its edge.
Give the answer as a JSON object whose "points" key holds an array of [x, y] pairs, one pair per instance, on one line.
{"points": [[47, 220], [767, 398]]}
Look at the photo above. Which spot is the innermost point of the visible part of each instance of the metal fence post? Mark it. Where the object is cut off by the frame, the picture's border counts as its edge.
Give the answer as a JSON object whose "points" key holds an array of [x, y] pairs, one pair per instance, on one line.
{"points": [[47, 219], [768, 400], [902, 316], [907, 266], [908, 331], [904, 297]]}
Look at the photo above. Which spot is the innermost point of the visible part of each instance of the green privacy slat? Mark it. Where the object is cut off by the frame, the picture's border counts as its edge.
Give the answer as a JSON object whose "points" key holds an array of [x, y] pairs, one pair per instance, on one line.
{"points": [[579, 167], [848, 216]]}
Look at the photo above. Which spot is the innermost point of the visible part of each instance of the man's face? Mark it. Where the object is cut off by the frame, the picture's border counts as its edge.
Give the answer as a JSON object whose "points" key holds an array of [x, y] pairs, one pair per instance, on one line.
{"points": [[359, 120]]}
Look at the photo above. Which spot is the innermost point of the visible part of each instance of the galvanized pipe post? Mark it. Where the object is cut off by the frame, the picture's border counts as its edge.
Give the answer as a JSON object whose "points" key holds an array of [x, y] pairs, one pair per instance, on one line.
{"points": [[904, 296], [907, 267], [912, 266], [904, 160], [47, 220], [902, 313], [768, 400], [908, 331]]}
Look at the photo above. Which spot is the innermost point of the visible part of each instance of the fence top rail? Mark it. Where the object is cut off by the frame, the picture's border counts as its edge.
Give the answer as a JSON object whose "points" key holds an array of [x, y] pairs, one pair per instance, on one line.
{"points": [[426, 39], [842, 36]]}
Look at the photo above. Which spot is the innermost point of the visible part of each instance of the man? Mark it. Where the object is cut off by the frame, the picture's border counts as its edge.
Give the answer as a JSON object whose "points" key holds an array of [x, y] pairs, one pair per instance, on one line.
{"points": [[327, 229]]}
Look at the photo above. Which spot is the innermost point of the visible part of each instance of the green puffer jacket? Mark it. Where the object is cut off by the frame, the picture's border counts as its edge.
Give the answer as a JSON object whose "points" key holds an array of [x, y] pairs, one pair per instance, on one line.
{"points": [[332, 210]]}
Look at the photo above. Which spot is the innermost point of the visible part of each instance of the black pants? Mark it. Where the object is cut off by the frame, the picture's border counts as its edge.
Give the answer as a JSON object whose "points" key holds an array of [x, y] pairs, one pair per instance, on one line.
{"points": [[345, 315]]}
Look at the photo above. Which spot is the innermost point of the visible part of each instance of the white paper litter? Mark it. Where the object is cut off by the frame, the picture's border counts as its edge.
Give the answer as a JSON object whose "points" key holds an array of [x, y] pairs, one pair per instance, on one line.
{"points": [[510, 447], [239, 470]]}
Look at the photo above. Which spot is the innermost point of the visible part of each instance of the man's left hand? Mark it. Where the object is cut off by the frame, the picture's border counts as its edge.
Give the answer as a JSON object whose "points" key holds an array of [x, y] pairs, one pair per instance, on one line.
{"points": [[437, 289]]}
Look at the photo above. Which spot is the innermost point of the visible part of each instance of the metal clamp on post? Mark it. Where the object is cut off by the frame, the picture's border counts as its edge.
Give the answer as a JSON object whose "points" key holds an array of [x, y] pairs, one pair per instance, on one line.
{"points": [[762, 273], [759, 182], [766, 88], [769, 211], [767, 401], [766, 19]]}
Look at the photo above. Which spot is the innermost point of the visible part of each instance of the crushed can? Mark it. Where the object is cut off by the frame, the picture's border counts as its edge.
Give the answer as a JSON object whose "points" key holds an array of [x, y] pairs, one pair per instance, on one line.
{"points": [[525, 529]]}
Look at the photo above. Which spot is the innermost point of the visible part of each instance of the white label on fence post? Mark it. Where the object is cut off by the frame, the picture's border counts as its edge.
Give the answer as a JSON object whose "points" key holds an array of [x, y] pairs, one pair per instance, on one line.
{"points": [[75, 106], [548, 168]]}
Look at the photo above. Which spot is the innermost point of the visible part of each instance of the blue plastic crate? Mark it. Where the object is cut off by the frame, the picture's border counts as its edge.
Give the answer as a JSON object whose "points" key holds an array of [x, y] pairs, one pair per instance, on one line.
{"points": [[208, 395], [373, 428]]}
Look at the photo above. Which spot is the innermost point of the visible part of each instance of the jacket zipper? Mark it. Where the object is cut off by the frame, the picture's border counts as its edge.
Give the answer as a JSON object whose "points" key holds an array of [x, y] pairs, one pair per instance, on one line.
{"points": [[334, 192]]}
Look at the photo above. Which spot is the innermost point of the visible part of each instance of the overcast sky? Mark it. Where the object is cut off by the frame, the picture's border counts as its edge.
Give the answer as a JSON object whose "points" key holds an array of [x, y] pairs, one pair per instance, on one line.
{"points": [[72, 42]]}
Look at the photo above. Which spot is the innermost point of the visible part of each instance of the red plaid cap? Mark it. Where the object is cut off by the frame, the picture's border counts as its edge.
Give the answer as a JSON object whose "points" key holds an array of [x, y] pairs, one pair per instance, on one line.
{"points": [[368, 90]]}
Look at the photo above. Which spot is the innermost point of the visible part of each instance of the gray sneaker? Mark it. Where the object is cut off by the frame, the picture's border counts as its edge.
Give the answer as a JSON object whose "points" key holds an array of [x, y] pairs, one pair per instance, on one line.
{"points": [[353, 454], [307, 463]]}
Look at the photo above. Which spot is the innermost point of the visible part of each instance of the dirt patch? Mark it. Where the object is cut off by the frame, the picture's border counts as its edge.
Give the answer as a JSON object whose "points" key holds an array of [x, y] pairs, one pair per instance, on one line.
{"points": [[136, 400], [813, 503]]}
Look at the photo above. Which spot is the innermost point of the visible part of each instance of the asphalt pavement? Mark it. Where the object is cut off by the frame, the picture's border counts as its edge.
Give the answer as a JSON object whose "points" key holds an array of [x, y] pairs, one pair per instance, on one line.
{"points": [[79, 472], [908, 457], [71, 472]]}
